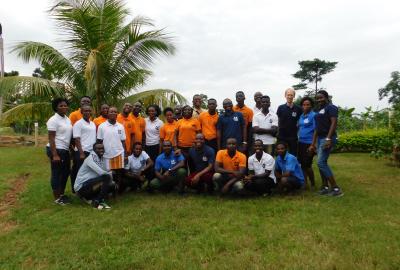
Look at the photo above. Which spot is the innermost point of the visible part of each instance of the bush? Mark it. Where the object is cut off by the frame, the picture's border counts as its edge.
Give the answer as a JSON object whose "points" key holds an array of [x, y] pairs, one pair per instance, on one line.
{"points": [[379, 141]]}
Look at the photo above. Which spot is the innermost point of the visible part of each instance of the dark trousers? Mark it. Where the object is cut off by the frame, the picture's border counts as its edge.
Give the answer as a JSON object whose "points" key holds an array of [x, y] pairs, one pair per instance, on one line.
{"points": [[213, 144], [260, 185], [153, 151], [96, 188], [76, 165], [59, 170], [292, 145]]}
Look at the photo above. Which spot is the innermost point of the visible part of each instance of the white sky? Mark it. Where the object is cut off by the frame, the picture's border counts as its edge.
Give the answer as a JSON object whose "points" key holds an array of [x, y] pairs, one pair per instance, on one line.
{"points": [[225, 46]]}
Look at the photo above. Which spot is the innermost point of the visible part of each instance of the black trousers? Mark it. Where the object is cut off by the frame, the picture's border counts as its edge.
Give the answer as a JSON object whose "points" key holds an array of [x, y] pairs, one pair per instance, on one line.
{"points": [[76, 165], [96, 188], [261, 185], [59, 170], [153, 151]]}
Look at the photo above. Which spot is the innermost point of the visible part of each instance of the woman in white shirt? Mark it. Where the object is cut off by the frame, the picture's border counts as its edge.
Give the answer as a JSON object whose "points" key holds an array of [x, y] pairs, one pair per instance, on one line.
{"points": [[84, 134], [60, 132], [152, 131]]}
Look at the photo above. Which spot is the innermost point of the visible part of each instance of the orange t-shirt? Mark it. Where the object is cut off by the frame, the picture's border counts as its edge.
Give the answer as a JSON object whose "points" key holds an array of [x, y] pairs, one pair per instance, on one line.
{"points": [[99, 120], [232, 164], [208, 124], [128, 124], [247, 113], [167, 132], [187, 131], [75, 116], [140, 125]]}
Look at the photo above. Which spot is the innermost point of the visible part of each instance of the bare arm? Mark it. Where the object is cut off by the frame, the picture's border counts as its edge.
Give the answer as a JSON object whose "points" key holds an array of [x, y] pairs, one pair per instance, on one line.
{"points": [[52, 142]]}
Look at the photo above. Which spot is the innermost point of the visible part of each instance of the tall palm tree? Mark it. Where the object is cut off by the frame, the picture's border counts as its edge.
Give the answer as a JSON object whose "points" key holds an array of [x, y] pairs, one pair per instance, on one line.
{"points": [[102, 56]]}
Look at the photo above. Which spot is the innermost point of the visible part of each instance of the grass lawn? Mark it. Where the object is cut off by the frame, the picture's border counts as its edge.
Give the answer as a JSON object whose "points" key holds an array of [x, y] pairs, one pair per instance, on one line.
{"points": [[360, 230]]}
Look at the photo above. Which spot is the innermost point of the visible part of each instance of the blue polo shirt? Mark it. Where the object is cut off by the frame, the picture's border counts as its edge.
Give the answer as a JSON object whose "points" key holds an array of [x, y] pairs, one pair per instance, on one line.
{"points": [[323, 119], [200, 159], [306, 127], [231, 126], [164, 163], [289, 164], [288, 118]]}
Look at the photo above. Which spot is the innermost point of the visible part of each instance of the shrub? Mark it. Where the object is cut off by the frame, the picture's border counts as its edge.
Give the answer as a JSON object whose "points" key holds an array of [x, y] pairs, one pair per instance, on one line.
{"points": [[376, 141]]}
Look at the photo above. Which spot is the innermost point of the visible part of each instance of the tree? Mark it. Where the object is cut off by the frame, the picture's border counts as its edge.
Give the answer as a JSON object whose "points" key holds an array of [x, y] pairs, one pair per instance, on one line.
{"points": [[311, 71], [11, 73], [104, 57], [392, 90]]}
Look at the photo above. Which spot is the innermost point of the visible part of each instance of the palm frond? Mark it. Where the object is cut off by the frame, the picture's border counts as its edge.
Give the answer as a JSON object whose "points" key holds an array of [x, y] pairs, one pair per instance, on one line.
{"points": [[36, 111], [30, 86], [161, 97]]}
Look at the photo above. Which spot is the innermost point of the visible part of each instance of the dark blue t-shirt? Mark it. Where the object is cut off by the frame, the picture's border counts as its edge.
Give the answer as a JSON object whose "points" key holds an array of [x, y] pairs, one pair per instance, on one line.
{"points": [[231, 126], [306, 127], [200, 159], [288, 118], [323, 119]]}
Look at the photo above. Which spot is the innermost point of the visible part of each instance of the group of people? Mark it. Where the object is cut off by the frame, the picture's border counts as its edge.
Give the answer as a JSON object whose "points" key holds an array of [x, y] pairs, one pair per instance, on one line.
{"points": [[231, 152]]}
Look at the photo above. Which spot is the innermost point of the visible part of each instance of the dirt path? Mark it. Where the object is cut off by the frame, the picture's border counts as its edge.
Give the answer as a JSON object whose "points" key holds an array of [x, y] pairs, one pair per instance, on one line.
{"points": [[9, 200]]}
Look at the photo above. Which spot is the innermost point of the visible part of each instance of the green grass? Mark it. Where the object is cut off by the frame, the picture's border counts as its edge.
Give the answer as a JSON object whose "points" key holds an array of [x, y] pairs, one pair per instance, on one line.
{"points": [[360, 230]]}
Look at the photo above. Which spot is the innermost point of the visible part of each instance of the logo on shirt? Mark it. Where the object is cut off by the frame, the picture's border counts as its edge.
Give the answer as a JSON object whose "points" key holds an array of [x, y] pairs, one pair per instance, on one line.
{"points": [[157, 127], [306, 121], [270, 121], [235, 118], [205, 158], [119, 131], [322, 111], [263, 166], [294, 114], [173, 162]]}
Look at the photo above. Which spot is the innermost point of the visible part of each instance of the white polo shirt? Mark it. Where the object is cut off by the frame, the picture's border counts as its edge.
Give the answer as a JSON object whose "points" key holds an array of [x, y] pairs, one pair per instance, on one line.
{"points": [[152, 131], [63, 128], [265, 121], [112, 135], [136, 164], [267, 162], [86, 131]]}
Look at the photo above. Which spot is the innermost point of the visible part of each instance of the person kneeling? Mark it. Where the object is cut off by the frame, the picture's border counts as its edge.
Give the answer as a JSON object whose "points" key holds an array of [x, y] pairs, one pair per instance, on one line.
{"points": [[230, 168], [287, 170], [261, 178], [201, 159], [169, 170], [138, 165], [93, 182]]}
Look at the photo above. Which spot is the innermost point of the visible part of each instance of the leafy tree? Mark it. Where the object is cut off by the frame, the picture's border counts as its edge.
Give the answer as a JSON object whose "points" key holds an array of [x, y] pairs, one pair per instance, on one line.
{"points": [[392, 89], [311, 71], [11, 73], [107, 55]]}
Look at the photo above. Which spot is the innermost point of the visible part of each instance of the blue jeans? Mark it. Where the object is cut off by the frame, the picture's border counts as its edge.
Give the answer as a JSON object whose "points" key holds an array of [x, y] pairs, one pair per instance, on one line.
{"points": [[323, 155]]}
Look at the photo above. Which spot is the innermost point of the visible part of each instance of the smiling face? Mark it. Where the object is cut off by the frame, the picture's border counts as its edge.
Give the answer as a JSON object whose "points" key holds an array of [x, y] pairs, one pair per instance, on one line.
{"points": [[257, 97], [187, 112], [62, 108], [85, 101], [86, 112], [137, 108], [197, 101], [151, 112], [289, 95], [265, 103], [137, 150], [99, 149], [227, 105], [281, 149], [306, 106], [167, 147], [127, 109], [199, 141], [240, 97], [169, 116], [231, 145], [112, 113], [321, 99], [212, 105], [258, 147], [104, 110]]}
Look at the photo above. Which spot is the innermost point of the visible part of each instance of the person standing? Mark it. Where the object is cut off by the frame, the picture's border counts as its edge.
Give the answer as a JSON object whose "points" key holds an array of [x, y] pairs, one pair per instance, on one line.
{"points": [[326, 137], [84, 134], [103, 116], [93, 181], [186, 130], [197, 110], [178, 112], [306, 133], [208, 122], [112, 135], [125, 119], [265, 126], [168, 130], [288, 116], [257, 99], [139, 122], [231, 125], [247, 115], [75, 116], [152, 131], [60, 132]]}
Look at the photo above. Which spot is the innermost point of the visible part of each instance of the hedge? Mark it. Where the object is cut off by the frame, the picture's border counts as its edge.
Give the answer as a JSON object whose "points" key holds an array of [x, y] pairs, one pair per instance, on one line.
{"points": [[366, 141]]}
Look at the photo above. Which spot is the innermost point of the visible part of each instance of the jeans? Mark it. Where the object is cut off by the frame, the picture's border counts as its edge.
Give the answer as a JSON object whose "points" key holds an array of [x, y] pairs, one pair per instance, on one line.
{"points": [[323, 155], [175, 178], [96, 188], [59, 170], [76, 165]]}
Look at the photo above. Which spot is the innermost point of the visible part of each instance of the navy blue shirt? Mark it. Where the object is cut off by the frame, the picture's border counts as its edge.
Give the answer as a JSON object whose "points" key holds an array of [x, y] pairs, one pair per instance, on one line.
{"points": [[164, 163], [231, 126], [289, 164], [288, 118], [306, 127], [323, 119], [200, 159]]}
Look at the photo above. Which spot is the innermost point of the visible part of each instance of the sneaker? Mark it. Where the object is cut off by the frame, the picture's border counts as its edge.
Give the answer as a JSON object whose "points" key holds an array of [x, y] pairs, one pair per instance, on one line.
{"points": [[104, 205], [324, 190], [59, 201], [65, 199], [336, 192]]}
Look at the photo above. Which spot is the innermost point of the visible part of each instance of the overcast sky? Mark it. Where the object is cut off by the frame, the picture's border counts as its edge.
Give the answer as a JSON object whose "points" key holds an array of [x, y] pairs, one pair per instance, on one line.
{"points": [[225, 46]]}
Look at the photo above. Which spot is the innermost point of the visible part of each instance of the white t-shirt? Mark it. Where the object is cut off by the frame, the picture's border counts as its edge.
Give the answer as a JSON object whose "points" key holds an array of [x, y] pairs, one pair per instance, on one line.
{"points": [[267, 162], [136, 164], [265, 121], [86, 131], [63, 128], [152, 131], [112, 135]]}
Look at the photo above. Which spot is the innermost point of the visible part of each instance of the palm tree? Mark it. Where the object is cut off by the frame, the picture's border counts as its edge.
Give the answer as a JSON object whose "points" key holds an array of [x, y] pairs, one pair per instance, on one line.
{"points": [[102, 56]]}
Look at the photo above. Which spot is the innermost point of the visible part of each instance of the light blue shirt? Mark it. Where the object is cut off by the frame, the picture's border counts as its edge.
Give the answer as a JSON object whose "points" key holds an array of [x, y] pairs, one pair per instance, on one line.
{"points": [[306, 127], [289, 164]]}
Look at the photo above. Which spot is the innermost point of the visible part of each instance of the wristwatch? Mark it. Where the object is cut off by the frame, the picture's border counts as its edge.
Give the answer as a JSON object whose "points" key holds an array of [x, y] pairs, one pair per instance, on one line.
{"points": [[327, 139]]}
